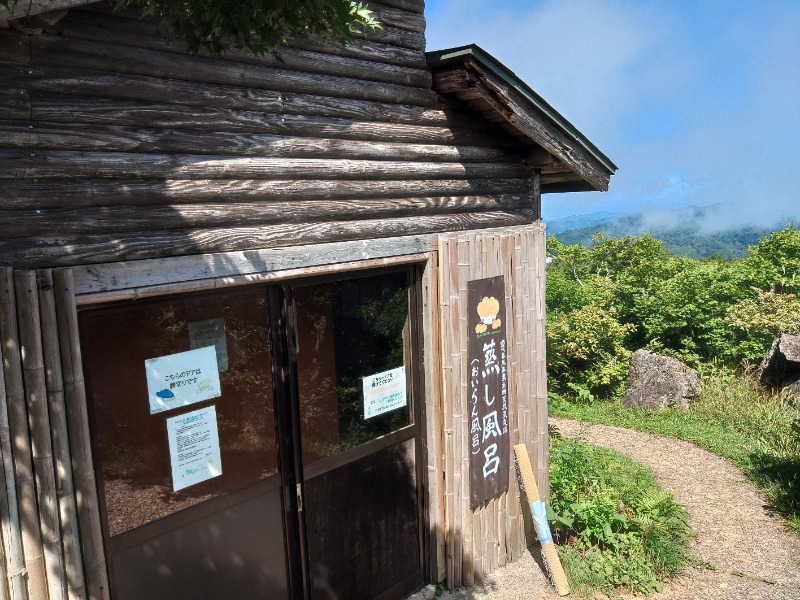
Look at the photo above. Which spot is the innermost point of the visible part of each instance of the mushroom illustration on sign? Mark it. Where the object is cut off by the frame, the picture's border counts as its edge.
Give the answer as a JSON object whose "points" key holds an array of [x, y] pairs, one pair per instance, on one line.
{"points": [[487, 311]]}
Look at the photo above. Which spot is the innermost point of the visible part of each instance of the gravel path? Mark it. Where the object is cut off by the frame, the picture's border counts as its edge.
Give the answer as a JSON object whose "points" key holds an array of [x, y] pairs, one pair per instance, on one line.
{"points": [[754, 556]]}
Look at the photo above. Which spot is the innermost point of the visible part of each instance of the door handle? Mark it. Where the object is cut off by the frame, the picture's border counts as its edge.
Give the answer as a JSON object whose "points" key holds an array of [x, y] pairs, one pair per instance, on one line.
{"points": [[299, 498]]}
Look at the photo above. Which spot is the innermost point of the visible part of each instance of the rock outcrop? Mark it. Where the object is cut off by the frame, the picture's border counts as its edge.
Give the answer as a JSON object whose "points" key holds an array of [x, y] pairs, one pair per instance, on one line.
{"points": [[780, 368], [657, 382]]}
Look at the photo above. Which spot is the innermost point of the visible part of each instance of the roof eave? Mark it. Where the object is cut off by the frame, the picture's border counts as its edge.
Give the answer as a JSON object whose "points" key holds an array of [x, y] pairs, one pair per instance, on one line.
{"points": [[525, 110]]}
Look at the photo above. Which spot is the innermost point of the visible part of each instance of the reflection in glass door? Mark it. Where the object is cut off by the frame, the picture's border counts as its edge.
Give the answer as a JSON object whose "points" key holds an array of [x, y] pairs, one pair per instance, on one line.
{"points": [[258, 443], [187, 515], [357, 435]]}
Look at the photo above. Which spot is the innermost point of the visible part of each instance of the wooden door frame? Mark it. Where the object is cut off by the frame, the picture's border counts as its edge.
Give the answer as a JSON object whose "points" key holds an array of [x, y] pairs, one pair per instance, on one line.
{"points": [[69, 303]]}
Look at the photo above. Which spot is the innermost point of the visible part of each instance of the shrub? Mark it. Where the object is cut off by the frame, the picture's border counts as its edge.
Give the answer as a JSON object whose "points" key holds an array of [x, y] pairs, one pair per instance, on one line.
{"points": [[616, 528]]}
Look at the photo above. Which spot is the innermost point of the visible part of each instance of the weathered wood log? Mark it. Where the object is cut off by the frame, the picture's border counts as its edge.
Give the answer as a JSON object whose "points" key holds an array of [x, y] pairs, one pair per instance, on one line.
{"points": [[367, 49], [14, 104], [30, 336], [42, 222], [399, 18], [70, 539], [12, 566], [78, 249], [38, 194], [414, 6], [62, 136], [218, 283], [138, 34], [93, 83], [79, 438], [387, 35], [51, 108], [95, 281], [52, 50], [20, 438], [14, 46], [58, 163]]}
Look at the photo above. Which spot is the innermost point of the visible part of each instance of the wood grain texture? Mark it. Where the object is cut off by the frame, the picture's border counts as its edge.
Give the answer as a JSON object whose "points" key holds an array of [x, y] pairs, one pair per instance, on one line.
{"points": [[52, 50], [21, 442], [15, 104], [14, 46], [108, 277], [101, 111], [399, 18], [53, 193], [80, 438], [57, 163], [30, 336], [115, 219], [151, 89], [67, 510], [494, 532], [13, 560], [139, 34], [77, 249]]}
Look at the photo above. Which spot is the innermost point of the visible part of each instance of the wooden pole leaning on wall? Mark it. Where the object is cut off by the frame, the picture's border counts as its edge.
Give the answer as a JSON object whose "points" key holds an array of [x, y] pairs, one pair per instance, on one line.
{"points": [[20, 441], [15, 582], [30, 336], [549, 553], [79, 438], [70, 541]]}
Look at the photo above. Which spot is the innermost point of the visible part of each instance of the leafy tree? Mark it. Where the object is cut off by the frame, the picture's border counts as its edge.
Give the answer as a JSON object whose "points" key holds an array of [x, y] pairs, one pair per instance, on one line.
{"points": [[586, 351], [759, 319], [774, 263], [622, 294], [260, 26]]}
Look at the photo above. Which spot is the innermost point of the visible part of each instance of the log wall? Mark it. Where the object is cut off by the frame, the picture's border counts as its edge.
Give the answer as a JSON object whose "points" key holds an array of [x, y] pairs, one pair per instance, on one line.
{"points": [[116, 145]]}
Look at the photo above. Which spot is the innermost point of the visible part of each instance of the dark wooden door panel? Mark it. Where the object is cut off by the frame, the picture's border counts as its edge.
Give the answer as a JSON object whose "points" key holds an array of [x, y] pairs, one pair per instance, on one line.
{"points": [[363, 528], [235, 553]]}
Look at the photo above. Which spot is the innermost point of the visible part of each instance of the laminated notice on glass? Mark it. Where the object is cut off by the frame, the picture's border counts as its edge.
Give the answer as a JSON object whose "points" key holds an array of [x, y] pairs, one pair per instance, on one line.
{"points": [[210, 333], [182, 379], [489, 443], [194, 447], [384, 392]]}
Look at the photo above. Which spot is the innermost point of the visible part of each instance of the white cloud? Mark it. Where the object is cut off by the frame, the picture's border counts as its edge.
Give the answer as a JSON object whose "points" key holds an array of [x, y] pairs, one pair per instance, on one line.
{"points": [[698, 103]]}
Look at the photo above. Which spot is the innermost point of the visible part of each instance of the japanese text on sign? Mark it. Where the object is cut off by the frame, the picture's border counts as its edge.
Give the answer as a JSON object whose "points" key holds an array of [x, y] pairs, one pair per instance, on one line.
{"points": [[182, 379], [384, 392], [488, 390]]}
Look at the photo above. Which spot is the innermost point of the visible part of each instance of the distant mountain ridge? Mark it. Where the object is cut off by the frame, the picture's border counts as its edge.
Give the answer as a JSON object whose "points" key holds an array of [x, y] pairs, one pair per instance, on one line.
{"points": [[686, 239]]}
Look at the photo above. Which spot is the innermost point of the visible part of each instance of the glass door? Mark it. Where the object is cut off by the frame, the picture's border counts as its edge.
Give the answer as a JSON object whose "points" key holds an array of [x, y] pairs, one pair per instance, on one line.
{"points": [[357, 430], [259, 443], [184, 436]]}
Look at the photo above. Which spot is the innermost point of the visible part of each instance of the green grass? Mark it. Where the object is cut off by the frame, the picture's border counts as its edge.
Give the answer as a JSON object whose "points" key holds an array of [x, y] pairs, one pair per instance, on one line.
{"points": [[757, 431], [614, 526]]}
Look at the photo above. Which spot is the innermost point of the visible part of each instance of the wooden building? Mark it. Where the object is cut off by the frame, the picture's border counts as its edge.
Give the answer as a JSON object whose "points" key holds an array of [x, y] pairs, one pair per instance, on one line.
{"points": [[251, 310]]}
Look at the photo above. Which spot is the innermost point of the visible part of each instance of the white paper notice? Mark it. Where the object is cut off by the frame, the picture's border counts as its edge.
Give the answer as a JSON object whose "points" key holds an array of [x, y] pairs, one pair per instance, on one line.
{"points": [[181, 379], [384, 392], [194, 447], [210, 333]]}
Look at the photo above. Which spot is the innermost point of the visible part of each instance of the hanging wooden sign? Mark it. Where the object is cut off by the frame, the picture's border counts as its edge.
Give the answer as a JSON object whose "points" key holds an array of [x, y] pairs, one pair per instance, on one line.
{"points": [[489, 443]]}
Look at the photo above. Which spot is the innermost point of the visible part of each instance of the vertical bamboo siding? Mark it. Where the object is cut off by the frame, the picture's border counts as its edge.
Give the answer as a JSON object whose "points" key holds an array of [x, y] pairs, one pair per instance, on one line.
{"points": [[479, 541]]}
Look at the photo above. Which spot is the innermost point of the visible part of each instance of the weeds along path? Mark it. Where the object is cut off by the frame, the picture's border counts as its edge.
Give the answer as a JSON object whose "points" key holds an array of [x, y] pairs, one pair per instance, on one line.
{"points": [[753, 554]]}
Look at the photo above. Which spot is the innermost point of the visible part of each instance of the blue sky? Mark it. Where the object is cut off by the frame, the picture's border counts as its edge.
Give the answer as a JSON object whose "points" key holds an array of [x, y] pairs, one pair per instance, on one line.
{"points": [[697, 102]]}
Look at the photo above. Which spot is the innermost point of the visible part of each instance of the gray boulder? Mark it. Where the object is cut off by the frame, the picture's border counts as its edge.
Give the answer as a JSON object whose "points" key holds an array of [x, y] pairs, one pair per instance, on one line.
{"points": [[781, 365], [657, 382]]}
